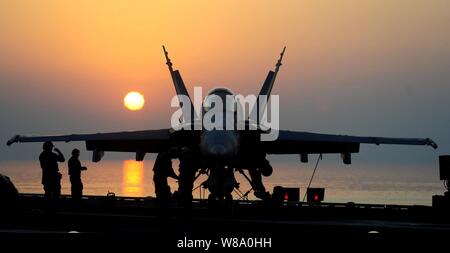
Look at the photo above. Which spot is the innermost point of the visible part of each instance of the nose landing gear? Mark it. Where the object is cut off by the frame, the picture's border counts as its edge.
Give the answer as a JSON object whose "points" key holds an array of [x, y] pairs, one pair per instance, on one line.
{"points": [[221, 183]]}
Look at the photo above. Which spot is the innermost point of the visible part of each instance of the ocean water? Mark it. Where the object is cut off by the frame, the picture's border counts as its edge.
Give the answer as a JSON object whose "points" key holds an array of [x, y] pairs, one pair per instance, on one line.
{"points": [[375, 184]]}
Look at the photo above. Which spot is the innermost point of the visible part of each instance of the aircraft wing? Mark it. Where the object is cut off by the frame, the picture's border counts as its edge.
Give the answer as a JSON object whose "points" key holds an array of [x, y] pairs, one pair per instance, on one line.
{"points": [[141, 142], [291, 142]]}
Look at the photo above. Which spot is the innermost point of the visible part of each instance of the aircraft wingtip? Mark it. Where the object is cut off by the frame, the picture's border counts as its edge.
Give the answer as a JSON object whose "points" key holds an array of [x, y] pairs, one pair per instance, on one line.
{"points": [[432, 143], [13, 140]]}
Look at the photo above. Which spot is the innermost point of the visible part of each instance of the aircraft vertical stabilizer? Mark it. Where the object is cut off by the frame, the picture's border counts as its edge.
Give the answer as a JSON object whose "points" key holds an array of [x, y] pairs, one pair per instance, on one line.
{"points": [[180, 88], [266, 89]]}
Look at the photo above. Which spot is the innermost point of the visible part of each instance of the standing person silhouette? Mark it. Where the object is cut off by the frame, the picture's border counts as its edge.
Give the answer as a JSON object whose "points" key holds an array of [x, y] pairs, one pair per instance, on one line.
{"points": [[188, 168], [51, 178], [75, 169], [162, 170]]}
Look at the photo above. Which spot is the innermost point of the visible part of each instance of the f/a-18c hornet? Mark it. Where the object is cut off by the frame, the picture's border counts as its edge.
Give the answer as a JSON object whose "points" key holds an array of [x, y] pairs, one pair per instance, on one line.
{"points": [[230, 142]]}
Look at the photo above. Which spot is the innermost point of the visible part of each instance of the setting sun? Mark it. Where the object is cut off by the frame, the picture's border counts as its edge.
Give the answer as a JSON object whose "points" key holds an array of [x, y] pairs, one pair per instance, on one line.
{"points": [[134, 101]]}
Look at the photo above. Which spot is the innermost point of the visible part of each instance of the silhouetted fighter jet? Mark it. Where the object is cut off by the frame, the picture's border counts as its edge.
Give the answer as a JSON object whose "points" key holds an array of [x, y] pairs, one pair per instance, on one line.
{"points": [[219, 150]]}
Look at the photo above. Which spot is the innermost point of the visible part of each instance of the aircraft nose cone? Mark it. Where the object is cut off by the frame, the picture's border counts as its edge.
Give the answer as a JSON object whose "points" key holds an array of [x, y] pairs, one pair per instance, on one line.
{"points": [[218, 146], [218, 150]]}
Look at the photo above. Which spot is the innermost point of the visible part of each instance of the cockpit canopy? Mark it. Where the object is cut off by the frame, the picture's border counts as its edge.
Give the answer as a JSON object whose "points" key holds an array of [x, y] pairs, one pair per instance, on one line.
{"points": [[224, 95]]}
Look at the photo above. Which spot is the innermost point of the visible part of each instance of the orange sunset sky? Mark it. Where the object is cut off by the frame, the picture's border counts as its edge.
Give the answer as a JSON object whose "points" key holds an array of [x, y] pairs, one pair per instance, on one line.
{"points": [[351, 67]]}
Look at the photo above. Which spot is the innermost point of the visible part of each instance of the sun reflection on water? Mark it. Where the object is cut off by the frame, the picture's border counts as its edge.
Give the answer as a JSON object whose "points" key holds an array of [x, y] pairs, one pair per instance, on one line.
{"points": [[133, 178]]}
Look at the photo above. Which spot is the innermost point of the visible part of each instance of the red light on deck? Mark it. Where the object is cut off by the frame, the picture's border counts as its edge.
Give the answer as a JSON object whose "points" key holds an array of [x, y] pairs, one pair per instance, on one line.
{"points": [[285, 194], [315, 195]]}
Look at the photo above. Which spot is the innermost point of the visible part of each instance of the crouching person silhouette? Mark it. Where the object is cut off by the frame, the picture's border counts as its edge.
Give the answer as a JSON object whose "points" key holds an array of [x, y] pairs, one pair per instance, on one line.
{"points": [[51, 178], [75, 169]]}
